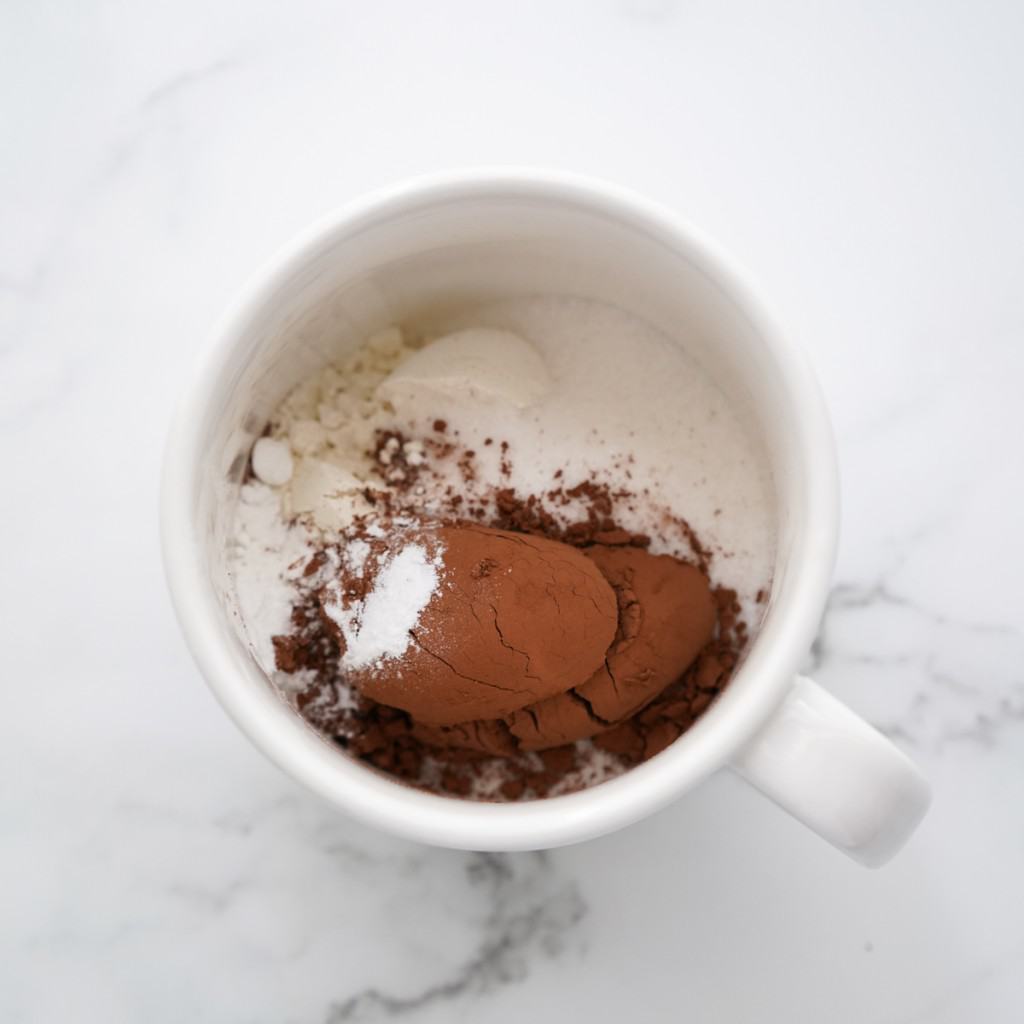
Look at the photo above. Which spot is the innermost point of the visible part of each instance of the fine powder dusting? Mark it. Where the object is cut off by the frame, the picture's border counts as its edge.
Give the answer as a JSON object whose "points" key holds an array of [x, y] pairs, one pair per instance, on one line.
{"points": [[380, 626]]}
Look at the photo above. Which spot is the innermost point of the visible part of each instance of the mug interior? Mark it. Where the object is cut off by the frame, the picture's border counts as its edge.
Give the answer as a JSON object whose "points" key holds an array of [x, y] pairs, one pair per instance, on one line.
{"points": [[417, 255]]}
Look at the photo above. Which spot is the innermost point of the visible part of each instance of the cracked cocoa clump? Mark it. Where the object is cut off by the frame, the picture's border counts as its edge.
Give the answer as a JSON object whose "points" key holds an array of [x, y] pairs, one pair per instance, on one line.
{"points": [[666, 616], [529, 644], [515, 620]]}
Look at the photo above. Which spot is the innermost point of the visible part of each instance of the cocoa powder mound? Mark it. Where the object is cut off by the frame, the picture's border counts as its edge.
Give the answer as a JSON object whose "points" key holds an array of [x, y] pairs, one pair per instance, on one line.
{"points": [[680, 704], [666, 616], [389, 740], [458, 758], [516, 619]]}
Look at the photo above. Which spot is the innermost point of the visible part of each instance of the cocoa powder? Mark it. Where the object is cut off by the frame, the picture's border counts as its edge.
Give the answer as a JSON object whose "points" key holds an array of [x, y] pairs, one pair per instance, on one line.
{"points": [[390, 740], [515, 620]]}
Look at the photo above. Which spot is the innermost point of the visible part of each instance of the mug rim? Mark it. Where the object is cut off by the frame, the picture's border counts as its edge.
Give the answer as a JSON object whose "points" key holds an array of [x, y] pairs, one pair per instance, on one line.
{"points": [[551, 821]]}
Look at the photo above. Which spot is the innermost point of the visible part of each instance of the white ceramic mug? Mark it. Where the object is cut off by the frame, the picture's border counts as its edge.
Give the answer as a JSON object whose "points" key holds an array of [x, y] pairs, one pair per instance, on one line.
{"points": [[447, 240]]}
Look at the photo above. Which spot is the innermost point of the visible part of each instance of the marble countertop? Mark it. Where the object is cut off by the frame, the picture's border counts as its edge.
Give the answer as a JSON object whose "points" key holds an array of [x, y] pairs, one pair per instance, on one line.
{"points": [[864, 161]]}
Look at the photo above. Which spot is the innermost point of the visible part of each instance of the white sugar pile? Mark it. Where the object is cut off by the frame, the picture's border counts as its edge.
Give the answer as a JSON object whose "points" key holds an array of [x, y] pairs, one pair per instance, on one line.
{"points": [[379, 627], [628, 406], [617, 401]]}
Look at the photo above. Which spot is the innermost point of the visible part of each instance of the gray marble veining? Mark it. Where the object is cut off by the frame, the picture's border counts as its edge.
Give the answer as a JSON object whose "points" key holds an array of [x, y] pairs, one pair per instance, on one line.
{"points": [[864, 161]]}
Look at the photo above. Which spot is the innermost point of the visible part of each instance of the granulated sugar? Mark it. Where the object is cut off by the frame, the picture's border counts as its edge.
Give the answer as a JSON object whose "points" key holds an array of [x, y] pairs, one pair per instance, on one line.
{"points": [[628, 405], [621, 403]]}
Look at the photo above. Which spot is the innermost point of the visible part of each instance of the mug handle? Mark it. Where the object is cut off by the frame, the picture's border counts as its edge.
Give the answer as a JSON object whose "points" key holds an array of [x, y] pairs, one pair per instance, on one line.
{"points": [[831, 770]]}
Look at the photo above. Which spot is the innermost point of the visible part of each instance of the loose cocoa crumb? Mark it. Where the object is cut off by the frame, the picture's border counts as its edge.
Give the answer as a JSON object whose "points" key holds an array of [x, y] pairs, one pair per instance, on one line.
{"points": [[513, 789], [467, 466], [484, 568], [314, 563], [622, 538], [701, 553]]}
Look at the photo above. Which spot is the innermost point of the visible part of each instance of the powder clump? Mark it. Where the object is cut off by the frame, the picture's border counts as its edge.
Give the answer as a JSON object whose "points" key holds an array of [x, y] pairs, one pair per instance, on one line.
{"points": [[378, 627]]}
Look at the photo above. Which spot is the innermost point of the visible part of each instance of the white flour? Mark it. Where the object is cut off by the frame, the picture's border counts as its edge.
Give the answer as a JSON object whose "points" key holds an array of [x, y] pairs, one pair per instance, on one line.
{"points": [[379, 627], [268, 556]]}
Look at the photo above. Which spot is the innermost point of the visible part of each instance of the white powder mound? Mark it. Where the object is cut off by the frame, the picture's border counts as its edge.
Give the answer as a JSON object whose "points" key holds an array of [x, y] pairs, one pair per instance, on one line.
{"points": [[479, 365], [268, 557], [627, 403], [356, 553], [330, 422], [379, 627], [311, 472]]}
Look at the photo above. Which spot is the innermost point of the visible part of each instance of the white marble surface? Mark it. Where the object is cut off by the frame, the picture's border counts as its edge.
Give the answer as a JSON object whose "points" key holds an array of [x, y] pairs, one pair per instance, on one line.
{"points": [[864, 160]]}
